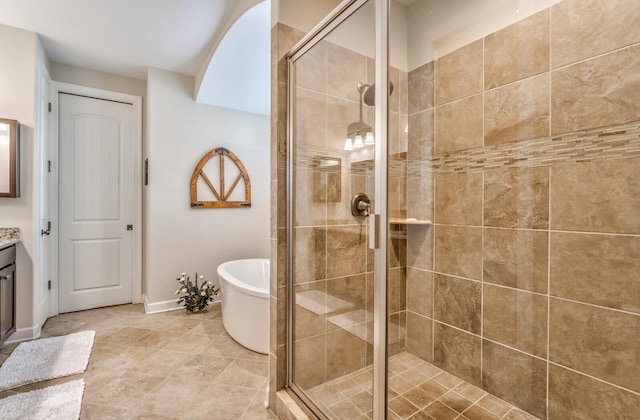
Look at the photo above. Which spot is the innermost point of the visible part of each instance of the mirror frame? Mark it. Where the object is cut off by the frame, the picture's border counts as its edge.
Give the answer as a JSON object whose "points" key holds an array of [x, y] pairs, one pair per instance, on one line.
{"points": [[14, 159]]}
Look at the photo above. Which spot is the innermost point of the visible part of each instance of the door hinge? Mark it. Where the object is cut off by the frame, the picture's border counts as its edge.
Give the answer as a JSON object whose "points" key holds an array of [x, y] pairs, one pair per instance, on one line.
{"points": [[49, 285], [49, 166], [146, 171], [49, 106]]}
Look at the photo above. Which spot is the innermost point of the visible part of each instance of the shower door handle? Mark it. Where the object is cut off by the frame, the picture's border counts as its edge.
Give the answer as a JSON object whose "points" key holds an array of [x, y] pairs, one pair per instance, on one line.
{"points": [[374, 230], [361, 207]]}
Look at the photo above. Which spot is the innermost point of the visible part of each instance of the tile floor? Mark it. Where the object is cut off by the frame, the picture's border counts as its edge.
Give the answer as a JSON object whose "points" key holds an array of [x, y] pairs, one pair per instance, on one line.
{"points": [[163, 366], [417, 390]]}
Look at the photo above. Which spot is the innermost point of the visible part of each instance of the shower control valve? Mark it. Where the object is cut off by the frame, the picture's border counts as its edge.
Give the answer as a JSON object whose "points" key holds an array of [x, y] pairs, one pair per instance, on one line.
{"points": [[360, 205]]}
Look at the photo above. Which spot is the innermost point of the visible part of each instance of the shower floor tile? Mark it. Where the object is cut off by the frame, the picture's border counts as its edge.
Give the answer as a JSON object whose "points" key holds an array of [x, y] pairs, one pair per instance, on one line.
{"points": [[417, 390]]}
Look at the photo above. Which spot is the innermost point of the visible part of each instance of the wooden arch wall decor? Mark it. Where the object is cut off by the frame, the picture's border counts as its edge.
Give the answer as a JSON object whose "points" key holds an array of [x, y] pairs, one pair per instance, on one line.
{"points": [[223, 193]]}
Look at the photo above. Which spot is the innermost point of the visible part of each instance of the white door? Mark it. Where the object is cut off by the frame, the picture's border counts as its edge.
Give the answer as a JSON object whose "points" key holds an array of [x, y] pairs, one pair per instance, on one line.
{"points": [[44, 289], [96, 204]]}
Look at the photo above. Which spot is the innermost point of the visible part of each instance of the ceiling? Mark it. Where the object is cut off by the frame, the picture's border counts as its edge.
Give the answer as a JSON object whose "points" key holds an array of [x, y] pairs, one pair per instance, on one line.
{"points": [[124, 37]]}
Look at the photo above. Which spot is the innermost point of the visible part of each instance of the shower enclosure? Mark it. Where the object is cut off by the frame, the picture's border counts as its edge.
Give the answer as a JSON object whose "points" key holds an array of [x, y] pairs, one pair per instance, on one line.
{"points": [[466, 242]]}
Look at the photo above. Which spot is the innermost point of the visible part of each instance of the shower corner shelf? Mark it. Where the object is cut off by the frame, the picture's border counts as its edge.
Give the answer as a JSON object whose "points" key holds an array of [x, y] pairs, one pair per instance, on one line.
{"points": [[410, 221]]}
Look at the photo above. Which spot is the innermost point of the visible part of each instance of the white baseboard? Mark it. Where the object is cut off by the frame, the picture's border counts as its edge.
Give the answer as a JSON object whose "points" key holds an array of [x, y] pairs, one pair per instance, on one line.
{"points": [[24, 334], [165, 306], [157, 307]]}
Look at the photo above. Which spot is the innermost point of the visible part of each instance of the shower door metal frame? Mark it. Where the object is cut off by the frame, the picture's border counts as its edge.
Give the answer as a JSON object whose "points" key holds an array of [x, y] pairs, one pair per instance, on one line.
{"points": [[378, 220], [379, 223]]}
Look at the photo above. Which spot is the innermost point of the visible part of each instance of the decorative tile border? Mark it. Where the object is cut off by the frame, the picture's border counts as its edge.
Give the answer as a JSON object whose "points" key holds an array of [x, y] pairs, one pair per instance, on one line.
{"points": [[608, 143], [310, 157], [615, 142]]}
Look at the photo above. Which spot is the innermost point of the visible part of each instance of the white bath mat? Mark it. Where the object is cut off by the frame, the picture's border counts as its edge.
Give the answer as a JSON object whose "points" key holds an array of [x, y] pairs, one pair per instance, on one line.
{"points": [[58, 402], [47, 358]]}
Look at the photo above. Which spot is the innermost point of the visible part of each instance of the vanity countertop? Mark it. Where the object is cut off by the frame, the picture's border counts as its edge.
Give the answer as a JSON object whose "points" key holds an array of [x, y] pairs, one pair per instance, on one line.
{"points": [[9, 236]]}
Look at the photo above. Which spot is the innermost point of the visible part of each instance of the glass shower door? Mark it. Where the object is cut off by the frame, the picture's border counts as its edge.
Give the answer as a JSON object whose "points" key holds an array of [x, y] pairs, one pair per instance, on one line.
{"points": [[333, 145]]}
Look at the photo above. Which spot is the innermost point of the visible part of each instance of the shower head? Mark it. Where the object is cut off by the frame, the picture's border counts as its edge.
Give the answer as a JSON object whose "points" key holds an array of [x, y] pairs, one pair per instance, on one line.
{"points": [[370, 94]]}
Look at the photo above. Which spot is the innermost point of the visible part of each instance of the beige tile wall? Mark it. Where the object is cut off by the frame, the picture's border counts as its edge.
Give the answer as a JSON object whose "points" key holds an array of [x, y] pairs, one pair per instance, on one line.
{"points": [[528, 282], [518, 51]]}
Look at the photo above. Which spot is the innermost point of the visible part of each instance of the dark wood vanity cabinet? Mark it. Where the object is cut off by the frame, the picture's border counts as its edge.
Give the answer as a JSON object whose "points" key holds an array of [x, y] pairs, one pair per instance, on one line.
{"points": [[7, 292]]}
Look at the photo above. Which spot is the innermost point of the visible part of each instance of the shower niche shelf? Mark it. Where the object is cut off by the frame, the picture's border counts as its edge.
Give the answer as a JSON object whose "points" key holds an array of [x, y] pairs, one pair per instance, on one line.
{"points": [[409, 221]]}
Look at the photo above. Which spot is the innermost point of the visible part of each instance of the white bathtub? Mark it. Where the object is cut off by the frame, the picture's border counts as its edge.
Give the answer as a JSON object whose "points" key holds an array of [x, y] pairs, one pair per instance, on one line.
{"points": [[244, 286]]}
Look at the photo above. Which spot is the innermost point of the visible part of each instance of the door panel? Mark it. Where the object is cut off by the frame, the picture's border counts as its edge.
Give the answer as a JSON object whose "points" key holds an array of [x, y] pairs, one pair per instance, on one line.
{"points": [[96, 263], [96, 202], [96, 178]]}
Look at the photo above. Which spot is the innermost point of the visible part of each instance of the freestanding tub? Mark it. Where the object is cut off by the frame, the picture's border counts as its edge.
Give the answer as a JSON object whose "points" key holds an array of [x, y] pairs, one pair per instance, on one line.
{"points": [[244, 285]]}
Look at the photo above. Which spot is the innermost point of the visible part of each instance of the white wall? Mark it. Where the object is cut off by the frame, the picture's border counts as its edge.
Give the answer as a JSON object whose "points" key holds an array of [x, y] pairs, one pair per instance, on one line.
{"points": [[238, 74], [17, 101], [301, 14], [179, 133], [97, 79]]}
